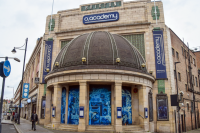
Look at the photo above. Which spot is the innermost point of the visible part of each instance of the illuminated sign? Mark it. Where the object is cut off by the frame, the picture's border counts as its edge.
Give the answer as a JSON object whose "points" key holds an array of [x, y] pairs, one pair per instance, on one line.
{"points": [[99, 18]]}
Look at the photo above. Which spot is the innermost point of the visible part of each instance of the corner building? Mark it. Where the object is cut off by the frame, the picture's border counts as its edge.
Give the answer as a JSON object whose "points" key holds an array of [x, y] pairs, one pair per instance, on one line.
{"points": [[112, 69]]}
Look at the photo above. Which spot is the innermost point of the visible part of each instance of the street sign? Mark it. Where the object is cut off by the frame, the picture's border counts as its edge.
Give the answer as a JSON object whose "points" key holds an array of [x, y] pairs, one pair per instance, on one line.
{"points": [[25, 92], [5, 68], [37, 80]]}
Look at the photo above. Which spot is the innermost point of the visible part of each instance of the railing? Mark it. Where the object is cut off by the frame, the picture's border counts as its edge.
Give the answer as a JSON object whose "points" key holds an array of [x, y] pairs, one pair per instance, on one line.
{"points": [[141, 116]]}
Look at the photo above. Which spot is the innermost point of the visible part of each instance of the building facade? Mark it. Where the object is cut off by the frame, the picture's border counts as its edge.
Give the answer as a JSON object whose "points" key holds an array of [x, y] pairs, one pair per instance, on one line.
{"points": [[110, 66]]}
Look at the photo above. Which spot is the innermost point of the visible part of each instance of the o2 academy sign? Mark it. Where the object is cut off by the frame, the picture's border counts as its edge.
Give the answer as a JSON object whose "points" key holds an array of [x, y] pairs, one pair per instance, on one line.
{"points": [[99, 18], [101, 6]]}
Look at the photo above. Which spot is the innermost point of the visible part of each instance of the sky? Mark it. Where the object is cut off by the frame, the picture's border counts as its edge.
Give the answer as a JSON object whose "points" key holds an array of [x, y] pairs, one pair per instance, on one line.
{"points": [[21, 19]]}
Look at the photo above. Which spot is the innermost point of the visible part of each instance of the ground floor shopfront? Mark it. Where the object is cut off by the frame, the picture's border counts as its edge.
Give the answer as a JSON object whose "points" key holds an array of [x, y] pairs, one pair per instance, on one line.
{"points": [[28, 107], [85, 104]]}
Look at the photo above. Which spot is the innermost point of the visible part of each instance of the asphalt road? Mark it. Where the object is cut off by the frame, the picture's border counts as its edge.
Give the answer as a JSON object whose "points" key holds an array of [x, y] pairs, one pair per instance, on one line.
{"points": [[7, 128]]}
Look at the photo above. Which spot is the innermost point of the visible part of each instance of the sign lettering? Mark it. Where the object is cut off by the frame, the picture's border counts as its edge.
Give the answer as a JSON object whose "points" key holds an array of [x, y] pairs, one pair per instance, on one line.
{"points": [[47, 59], [159, 55], [99, 18]]}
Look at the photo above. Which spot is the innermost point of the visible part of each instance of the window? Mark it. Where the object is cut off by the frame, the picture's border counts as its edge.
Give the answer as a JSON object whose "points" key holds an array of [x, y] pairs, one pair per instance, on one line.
{"points": [[174, 74], [185, 87], [63, 43], [150, 106], [193, 79], [187, 106], [194, 62], [190, 58], [137, 40], [196, 81], [182, 50], [177, 56], [179, 76], [173, 51], [192, 106]]}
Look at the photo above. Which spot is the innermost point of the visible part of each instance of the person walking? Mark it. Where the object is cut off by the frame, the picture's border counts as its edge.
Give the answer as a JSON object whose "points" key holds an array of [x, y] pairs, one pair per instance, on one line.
{"points": [[34, 118], [16, 117]]}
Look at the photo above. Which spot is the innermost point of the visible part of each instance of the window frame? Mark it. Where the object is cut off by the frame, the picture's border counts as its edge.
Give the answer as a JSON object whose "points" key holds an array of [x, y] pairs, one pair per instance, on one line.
{"points": [[173, 54], [196, 81], [177, 55], [179, 76]]}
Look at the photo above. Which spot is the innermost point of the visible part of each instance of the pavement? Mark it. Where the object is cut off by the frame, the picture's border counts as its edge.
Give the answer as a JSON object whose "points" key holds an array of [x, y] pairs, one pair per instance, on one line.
{"points": [[25, 127]]}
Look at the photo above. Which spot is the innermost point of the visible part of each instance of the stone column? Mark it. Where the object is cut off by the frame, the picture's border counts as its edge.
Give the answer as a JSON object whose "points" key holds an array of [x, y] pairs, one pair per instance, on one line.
{"points": [[83, 103], [48, 107], [118, 103], [57, 104], [135, 106], [143, 103]]}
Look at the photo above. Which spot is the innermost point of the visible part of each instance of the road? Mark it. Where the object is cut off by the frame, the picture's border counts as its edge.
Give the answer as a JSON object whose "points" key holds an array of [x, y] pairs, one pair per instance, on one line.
{"points": [[8, 128]]}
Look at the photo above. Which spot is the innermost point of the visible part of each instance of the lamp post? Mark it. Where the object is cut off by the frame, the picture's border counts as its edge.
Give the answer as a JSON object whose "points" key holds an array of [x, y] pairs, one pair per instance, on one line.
{"points": [[178, 109], [2, 91], [14, 51], [13, 90]]}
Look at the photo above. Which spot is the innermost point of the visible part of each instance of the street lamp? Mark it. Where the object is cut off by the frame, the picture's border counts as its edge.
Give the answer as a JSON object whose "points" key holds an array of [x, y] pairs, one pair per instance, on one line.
{"points": [[2, 91], [179, 125], [13, 90], [14, 51]]}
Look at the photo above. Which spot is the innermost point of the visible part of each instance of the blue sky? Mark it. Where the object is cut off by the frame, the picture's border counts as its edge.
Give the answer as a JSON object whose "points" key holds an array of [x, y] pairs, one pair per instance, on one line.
{"points": [[26, 18]]}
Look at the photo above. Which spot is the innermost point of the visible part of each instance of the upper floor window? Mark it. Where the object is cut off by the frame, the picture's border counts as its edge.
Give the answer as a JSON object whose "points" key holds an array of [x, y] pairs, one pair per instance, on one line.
{"points": [[185, 87], [193, 79], [63, 43], [173, 51], [182, 50], [177, 56], [174, 74], [179, 76], [196, 82], [194, 61], [187, 106]]}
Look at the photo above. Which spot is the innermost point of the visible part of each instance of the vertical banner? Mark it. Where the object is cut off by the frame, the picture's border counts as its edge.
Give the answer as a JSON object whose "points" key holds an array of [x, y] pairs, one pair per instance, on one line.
{"points": [[159, 55], [47, 59], [161, 86], [25, 92]]}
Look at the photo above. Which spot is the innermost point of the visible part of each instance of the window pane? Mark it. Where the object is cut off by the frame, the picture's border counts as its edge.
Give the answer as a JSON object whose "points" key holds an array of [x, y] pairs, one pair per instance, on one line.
{"points": [[138, 41], [63, 43]]}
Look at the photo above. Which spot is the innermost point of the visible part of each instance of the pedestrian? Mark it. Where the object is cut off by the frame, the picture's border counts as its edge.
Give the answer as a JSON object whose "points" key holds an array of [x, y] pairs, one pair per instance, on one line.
{"points": [[34, 118], [13, 115], [16, 117]]}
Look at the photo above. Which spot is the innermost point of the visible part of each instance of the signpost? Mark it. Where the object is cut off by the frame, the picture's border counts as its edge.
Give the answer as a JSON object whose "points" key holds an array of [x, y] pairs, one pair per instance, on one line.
{"points": [[5, 69]]}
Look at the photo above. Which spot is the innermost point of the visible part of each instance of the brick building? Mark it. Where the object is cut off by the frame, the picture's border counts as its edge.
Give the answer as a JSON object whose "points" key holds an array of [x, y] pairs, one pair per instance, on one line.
{"points": [[107, 65]]}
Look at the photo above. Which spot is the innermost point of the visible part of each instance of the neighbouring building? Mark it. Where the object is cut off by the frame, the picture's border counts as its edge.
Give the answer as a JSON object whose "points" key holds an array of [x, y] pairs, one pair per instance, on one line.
{"points": [[107, 65]]}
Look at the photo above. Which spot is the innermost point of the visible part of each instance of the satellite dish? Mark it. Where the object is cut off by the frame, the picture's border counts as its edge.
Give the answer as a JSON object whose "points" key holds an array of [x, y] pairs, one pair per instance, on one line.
{"points": [[195, 48]]}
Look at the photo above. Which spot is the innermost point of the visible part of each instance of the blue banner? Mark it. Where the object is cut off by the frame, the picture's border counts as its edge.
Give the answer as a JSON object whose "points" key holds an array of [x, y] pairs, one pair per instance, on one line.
{"points": [[159, 55], [25, 92], [47, 59], [99, 18]]}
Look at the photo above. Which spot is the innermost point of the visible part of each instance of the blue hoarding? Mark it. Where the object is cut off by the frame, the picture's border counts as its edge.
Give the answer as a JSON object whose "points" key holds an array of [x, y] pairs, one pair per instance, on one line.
{"points": [[25, 92], [99, 18], [159, 55], [47, 59]]}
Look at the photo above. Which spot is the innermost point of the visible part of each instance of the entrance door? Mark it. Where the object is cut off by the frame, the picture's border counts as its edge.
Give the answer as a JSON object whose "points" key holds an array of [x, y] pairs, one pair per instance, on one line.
{"points": [[126, 106], [182, 121], [63, 105], [99, 105], [73, 105]]}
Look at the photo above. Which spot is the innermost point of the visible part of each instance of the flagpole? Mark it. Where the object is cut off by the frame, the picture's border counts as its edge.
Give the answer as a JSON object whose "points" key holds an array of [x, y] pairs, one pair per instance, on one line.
{"points": [[155, 11], [51, 18]]}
